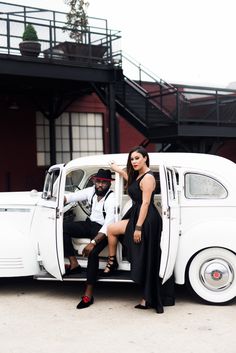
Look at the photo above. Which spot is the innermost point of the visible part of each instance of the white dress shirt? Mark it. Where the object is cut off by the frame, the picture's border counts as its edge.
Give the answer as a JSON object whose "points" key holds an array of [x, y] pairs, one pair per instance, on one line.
{"points": [[97, 206]]}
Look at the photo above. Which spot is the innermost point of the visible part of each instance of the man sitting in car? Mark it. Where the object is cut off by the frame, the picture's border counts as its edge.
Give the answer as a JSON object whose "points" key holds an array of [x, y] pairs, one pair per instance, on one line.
{"points": [[101, 200]]}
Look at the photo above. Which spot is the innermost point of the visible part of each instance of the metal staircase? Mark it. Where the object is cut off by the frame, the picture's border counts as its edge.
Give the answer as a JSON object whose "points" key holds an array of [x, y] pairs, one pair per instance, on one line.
{"points": [[182, 117], [190, 117], [139, 107], [142, 107]]}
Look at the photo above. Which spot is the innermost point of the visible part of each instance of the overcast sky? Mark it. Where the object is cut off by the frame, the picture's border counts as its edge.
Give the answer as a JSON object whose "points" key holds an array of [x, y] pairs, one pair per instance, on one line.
{"points": [[181, 41]]}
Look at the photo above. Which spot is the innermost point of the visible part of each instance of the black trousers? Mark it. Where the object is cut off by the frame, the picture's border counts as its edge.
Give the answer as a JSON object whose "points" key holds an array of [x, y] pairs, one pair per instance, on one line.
{"points": [[84, 229]]}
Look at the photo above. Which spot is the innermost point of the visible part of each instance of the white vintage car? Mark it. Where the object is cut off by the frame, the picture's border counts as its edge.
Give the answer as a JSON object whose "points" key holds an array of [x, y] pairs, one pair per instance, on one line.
{"points": [[196, 197]]}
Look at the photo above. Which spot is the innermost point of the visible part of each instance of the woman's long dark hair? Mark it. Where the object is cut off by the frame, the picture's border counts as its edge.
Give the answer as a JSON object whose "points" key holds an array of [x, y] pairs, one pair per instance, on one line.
{"points": [[133, 174]]}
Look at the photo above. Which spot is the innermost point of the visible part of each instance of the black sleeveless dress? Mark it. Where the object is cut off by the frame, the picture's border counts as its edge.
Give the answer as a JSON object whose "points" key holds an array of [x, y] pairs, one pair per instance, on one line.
{"points": [[144, 256]]}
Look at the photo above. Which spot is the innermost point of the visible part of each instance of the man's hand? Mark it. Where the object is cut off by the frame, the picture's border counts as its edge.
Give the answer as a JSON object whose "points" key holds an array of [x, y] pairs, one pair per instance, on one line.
{"points": [[87, 249]]}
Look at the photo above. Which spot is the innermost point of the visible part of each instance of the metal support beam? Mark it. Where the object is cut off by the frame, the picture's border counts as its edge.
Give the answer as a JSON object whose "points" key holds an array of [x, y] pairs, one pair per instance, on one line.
{"points": [[113, 125], [52, 135]]}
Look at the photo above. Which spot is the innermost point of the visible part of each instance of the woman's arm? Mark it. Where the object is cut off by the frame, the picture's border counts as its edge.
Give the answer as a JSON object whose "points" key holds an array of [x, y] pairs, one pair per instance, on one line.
{"points": [[119, 170]]}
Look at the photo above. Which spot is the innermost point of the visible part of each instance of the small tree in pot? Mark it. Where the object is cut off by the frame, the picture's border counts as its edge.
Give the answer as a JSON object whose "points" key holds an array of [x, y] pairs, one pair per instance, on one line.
{"points": [[30, 45], [77, 19], [77, 26]]}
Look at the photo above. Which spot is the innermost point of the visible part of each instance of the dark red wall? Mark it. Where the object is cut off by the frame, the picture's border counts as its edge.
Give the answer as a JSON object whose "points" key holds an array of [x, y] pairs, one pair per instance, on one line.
{"points": [[130, 137], [228, 150], [18, 150]]}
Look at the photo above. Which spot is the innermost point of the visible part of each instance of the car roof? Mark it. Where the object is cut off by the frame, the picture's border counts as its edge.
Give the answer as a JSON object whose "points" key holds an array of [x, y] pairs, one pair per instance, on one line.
{"points": [[175, 159]]}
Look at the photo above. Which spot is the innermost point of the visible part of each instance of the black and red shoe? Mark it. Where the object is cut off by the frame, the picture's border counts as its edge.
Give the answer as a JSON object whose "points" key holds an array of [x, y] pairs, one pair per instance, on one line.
{"points": [[85, 302], [72, 271]]}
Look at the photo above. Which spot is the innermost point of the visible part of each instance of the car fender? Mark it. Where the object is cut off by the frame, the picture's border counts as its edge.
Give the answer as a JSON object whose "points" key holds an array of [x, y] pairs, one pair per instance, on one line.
{"points": [[214, 233]]}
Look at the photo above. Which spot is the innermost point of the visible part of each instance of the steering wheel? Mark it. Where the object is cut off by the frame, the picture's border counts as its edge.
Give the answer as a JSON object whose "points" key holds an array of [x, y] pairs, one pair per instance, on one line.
{"points": [[85, 206]]}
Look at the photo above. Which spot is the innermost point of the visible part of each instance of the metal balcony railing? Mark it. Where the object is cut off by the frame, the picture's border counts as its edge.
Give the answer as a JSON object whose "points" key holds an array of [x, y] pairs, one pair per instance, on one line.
{"points": [[99, 44], [181, 104]]}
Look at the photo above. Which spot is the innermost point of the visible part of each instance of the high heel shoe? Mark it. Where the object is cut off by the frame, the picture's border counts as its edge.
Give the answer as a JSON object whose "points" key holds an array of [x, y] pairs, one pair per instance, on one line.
{"points": [[111, 266], [141, 306], [159, 309]]}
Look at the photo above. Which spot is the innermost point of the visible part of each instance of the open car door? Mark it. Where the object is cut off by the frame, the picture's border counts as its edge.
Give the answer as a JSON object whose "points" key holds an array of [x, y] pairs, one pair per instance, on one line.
{"points": [[48, 222], [170, 219]]}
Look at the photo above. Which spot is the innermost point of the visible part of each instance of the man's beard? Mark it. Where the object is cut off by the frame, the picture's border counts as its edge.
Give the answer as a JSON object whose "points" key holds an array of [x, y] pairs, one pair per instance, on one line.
{"points": [[101, 192]]}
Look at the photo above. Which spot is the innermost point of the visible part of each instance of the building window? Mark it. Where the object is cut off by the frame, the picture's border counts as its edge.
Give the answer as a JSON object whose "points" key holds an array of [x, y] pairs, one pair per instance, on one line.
{"points": [[43, 142], [76, 134]]}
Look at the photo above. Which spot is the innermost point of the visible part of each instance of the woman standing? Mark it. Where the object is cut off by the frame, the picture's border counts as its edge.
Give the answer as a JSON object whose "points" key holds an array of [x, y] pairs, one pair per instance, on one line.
{"points": [[141, 227]]}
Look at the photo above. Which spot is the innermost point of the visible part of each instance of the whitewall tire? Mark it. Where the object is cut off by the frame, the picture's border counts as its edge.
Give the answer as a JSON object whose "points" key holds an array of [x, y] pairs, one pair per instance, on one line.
{"points": [[212, 275]]}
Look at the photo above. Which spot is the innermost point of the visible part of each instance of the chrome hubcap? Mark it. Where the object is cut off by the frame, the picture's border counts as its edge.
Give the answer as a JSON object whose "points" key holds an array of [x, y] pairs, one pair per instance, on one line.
{"points": [[216, 274]]}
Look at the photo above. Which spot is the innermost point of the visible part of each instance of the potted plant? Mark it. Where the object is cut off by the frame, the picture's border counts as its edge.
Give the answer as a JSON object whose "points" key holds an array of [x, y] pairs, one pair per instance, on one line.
{"points": [[77, 19], [30, 45], [77, 25]]}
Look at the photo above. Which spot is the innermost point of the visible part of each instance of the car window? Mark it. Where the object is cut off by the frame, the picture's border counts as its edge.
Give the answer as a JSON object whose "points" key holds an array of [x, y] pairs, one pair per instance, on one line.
{"points": [[73, 180], [50, 188], [199, 186]]}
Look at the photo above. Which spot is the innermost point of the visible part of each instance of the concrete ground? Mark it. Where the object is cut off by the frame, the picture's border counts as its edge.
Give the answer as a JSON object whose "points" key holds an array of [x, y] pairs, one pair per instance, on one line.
{"points": [[40, 317]]}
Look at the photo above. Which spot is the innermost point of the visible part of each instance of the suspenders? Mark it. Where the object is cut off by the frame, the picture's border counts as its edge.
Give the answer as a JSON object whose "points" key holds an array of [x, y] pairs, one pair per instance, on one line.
{"points": [[103, 209]]}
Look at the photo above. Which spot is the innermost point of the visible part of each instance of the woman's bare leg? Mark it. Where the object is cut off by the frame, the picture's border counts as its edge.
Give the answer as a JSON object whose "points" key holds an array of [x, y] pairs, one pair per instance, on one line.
{"points": [[113, 232]]}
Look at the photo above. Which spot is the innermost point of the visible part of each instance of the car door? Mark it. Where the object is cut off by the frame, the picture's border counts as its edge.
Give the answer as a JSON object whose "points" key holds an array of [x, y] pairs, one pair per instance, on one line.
{"points": [[48, 221], [119, 203], [170, 219]]}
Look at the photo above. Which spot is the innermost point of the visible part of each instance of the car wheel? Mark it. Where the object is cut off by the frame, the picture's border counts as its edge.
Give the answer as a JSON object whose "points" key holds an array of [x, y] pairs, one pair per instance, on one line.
{"points": [[212, 275]]}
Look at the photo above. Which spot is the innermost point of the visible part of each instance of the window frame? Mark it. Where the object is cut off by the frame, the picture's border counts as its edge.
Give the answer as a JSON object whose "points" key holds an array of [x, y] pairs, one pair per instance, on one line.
{"points": [[68, 143]]}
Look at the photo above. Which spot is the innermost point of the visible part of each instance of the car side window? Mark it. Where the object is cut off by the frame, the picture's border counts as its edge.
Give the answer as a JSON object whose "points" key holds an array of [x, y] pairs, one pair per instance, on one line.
{"points": [[199, 186]]}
